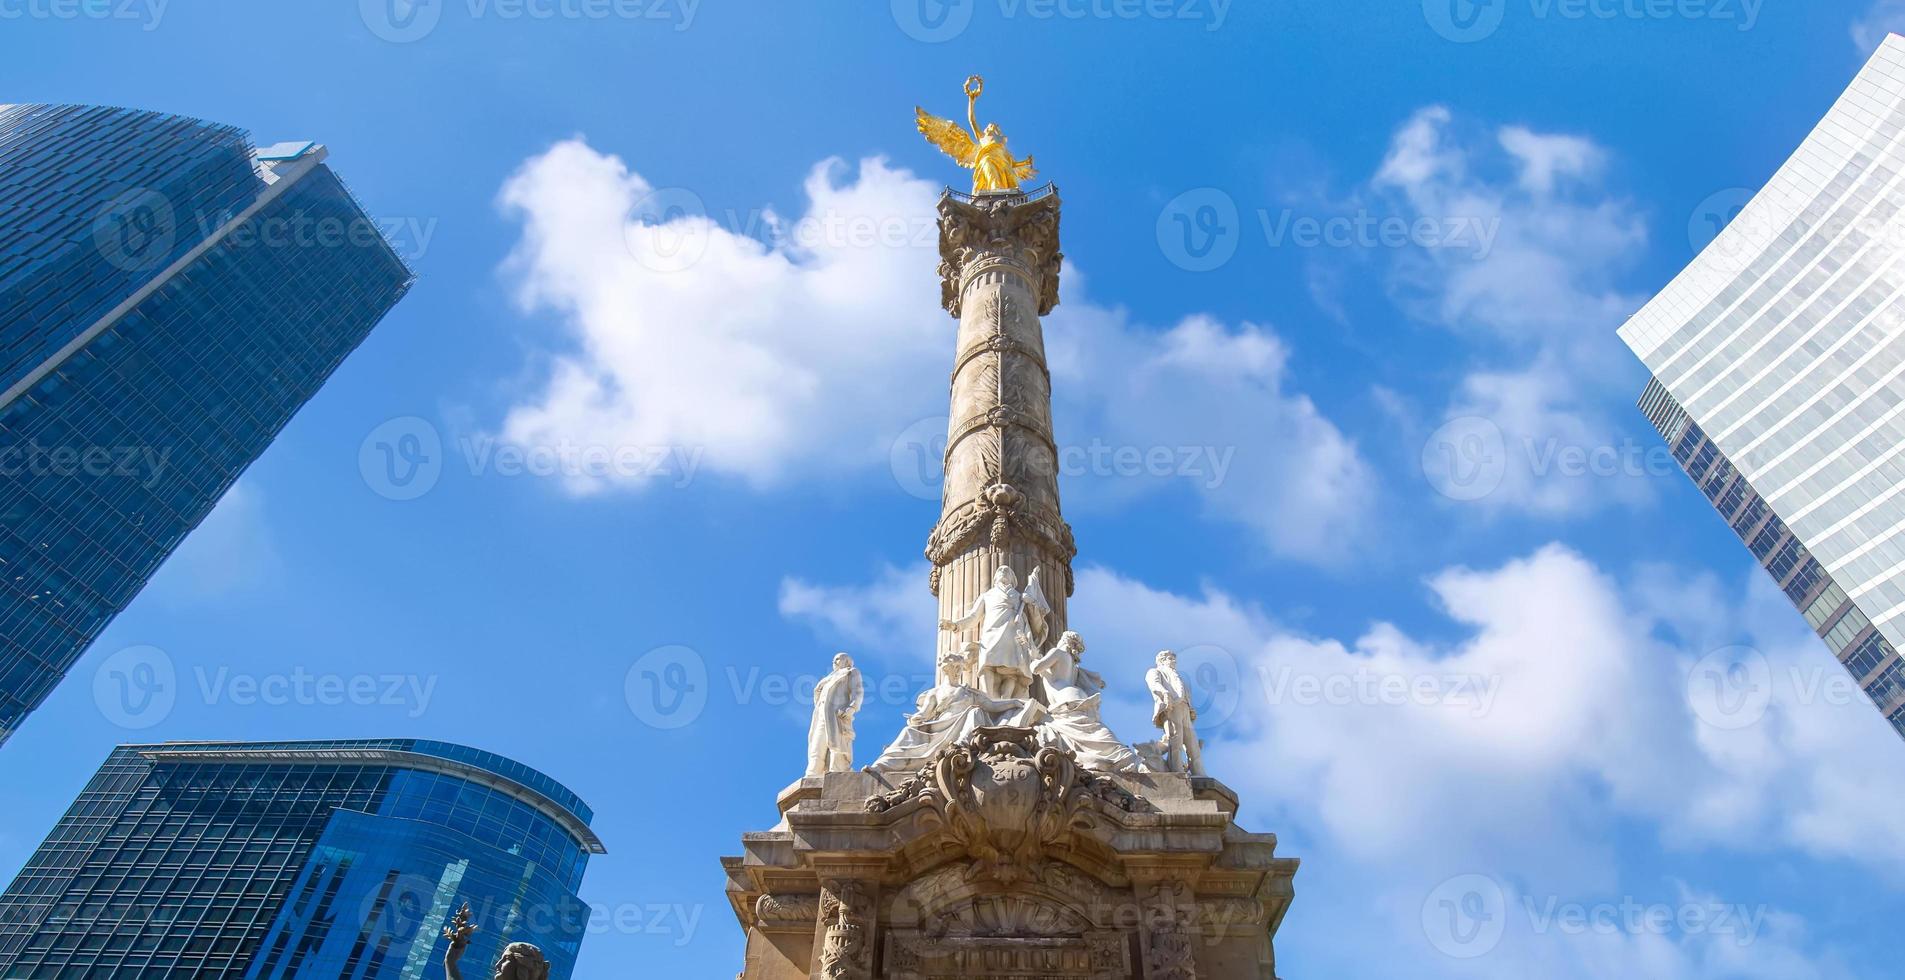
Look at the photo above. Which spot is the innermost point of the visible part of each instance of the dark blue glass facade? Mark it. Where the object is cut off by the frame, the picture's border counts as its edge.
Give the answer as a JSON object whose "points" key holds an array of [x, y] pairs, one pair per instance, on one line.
{"points": [[168, 300], [298, 859], [1866, 655]]}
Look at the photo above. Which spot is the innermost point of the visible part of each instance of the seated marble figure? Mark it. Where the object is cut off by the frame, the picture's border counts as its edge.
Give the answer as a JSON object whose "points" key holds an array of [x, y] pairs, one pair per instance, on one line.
{"points": [[948, 712], [1072, 694]]}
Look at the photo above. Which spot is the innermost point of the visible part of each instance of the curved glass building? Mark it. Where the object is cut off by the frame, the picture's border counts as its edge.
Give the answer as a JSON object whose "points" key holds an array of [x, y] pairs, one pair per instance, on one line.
{"points": [[169, 298], [300, 859], [1778, 363]]}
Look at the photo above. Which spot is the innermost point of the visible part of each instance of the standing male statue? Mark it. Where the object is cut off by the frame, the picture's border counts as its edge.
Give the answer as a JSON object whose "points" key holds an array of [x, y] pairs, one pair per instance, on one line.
{"points": [[1010, 627], [836, 700], [1173, 711]]}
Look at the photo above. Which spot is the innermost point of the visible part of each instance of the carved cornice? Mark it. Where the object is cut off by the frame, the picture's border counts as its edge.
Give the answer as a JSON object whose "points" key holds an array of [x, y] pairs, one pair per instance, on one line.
{"points": [[1017, 232]]}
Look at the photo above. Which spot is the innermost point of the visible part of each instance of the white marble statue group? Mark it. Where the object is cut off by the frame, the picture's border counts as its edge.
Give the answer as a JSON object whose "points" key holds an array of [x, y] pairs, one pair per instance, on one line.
{"points": [[1001, 679]]}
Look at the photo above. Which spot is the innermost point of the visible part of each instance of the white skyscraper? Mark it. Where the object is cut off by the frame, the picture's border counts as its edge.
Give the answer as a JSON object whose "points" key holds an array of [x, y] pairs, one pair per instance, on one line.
{"points": [[1777, 358]]}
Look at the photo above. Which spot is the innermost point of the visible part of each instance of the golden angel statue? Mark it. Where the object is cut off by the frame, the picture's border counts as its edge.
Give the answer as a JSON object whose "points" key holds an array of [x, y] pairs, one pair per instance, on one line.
{"points": [[983, 152]]}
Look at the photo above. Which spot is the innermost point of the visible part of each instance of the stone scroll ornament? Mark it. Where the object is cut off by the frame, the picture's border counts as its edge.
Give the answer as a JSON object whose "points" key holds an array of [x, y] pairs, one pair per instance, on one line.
{"points": [[520, 961], [1007, 800]]}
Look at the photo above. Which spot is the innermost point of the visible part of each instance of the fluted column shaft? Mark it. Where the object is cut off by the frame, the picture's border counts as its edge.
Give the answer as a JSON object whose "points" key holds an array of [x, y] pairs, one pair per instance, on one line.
{"points": [[1000, 504]]}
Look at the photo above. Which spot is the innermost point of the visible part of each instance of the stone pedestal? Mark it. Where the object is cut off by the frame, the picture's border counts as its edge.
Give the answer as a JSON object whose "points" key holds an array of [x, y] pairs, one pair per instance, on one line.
{"points": [[1004, 859]]}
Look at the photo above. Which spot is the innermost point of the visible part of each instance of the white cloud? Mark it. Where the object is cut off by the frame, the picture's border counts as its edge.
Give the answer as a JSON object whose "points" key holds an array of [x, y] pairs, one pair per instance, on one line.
{"points": [[807, 349], [1542, 301], [1544, 158], [1559, 719], [1211, 403], [1882, 18], [892, 615]]}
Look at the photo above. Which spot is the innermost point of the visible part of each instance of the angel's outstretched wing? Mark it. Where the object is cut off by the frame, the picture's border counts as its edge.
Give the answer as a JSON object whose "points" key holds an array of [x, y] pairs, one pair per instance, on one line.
{"points": [[948, 136]]}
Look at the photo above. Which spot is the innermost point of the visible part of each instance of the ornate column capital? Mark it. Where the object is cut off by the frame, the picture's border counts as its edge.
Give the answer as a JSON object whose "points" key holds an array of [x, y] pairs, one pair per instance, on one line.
{"points": [[1013, 233]]}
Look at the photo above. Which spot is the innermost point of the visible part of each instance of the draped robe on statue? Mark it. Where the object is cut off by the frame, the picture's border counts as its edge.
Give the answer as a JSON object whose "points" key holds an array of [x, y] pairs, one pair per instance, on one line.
{"points": [[1008, 631], [830, 735], [948, 712], [1072, 696]]}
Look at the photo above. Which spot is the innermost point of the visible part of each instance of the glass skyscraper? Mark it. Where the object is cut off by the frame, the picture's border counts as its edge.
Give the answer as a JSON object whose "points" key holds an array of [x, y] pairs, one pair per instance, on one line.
{"points": [[1777, 358], [169, 298], [299, 859]]}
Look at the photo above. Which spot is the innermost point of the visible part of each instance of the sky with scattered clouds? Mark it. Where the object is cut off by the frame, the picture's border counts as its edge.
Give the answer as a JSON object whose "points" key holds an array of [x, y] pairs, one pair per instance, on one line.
{"points": [[1342, 418]]}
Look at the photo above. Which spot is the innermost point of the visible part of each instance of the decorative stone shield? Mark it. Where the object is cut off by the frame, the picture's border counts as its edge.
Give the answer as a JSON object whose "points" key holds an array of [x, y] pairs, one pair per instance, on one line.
{"points": [[1007, 799]]}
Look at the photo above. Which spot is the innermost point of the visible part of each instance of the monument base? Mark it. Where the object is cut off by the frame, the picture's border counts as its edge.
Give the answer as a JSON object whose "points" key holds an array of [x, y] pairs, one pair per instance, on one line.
{"points": [[1003, 858]]}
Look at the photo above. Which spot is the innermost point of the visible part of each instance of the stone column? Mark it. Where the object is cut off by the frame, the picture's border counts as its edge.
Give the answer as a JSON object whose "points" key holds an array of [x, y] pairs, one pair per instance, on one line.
{"points": [[999, 274]]}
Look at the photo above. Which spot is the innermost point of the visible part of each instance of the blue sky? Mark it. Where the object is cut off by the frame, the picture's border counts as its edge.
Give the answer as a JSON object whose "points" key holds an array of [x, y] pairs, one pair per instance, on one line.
{"points": [[1411, 228]]}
